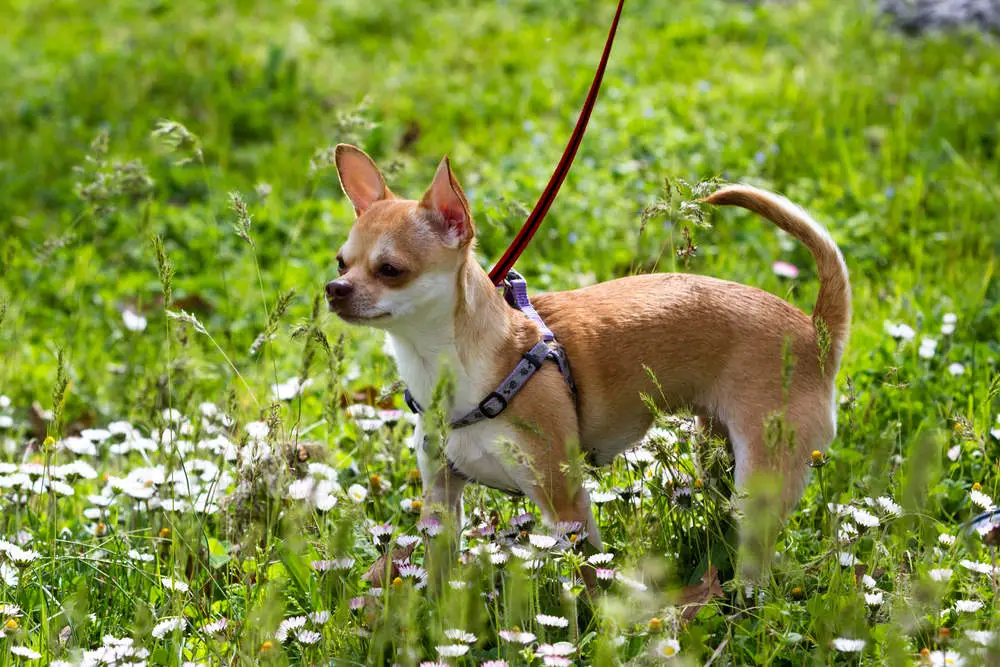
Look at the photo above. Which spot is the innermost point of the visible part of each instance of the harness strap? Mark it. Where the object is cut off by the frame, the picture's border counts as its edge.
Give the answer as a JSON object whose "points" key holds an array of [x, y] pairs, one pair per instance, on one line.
{"points": [[516, 294]]}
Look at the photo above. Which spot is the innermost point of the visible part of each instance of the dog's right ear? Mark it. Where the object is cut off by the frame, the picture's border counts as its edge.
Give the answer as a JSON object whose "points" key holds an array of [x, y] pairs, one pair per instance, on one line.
{"points": [[362, 182]]}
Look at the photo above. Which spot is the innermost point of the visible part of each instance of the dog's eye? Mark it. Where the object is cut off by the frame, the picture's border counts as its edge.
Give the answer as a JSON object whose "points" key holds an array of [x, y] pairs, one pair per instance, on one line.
{"points": [[341, 266], [389, 271]]}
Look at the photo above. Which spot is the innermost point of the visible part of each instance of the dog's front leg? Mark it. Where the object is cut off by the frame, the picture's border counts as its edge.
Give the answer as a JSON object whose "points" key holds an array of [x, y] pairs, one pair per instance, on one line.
{"points": [[442, 507]]}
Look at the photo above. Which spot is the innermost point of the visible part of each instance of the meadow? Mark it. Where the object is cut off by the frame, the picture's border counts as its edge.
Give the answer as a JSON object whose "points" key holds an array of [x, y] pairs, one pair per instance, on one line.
{"points": [[198, 464]]}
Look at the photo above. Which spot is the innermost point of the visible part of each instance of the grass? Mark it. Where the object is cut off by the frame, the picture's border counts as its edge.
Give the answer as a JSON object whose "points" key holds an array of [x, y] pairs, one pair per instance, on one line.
{"points": [[890, 141]]}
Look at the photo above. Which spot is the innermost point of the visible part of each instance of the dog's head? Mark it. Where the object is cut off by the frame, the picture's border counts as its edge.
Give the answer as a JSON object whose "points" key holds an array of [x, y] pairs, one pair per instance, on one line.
{"points": [[401, 257]]}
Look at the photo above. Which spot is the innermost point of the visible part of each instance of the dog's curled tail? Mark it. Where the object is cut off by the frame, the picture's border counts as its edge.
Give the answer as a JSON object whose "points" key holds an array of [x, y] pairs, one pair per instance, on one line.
{"points": [[833, 304]]}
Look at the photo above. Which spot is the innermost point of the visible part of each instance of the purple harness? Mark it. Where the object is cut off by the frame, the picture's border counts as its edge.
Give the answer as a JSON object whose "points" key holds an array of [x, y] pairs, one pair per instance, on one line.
{"points": [[515, 291]]}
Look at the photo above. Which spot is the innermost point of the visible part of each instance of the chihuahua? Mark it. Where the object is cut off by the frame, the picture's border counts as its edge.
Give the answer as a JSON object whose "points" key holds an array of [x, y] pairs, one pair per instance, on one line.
{"points": [[716, 348]]}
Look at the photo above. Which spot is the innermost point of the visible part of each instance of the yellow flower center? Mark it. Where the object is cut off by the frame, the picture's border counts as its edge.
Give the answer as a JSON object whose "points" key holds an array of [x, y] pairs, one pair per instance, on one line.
{"points": [[10, 625]]}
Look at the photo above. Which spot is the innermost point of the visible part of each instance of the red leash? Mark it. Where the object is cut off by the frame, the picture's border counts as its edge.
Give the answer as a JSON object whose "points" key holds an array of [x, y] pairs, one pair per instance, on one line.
{"points": [[531, 225]]}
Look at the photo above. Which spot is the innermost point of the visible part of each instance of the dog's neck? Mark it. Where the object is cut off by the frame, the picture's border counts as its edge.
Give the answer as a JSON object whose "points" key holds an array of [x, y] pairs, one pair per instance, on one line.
{"points": [[464, 333]]}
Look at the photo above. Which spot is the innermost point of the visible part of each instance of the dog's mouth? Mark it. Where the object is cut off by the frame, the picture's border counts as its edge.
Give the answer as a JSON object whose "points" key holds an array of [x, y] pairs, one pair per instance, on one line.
{"points": [[351, 318]]}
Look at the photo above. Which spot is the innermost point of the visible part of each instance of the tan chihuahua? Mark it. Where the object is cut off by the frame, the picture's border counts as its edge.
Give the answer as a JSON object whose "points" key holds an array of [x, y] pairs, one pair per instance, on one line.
{"points": [[717, 348]]}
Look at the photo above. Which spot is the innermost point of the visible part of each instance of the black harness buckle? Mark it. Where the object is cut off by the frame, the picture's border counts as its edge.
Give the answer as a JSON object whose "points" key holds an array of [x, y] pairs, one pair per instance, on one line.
{"points": [[490, 413], [411, 402]]}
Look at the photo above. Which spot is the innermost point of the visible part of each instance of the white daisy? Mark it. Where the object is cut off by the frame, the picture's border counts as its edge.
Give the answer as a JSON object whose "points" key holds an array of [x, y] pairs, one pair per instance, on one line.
{"points": [[25, 652], [968, 606], [452, 650], [956, 368], [848, 645], [308, 636], [559, 648], [95, 434], [457, 635], [981, 499], [516, 637], [981, 637], [174, 585], [667, 648], [542, 541], [873, 599], [888, 506], [601, 497], [357, 493], [257, 430], [215, 627], [8, 575], [552, 621], [133, 321], [865, 518], [903, 332], [287, 625], [846, 559], [168, 626], [976, 566], [940, 574], [951, 658]]}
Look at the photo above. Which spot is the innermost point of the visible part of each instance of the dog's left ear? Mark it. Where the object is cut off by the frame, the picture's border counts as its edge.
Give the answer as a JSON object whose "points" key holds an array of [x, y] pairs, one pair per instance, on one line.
{"points": [[449, 208]]}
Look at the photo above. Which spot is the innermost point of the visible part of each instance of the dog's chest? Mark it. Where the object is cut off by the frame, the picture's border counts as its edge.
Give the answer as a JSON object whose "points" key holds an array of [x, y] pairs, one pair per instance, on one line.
{"points": [[485, 455]]}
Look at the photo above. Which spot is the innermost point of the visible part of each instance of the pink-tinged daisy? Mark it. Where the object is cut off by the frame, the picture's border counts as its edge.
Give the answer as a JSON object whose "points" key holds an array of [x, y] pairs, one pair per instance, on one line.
{"points": [[785, 270], [430, 527], [494, 663], [556, 661], [381, 533], [416, 573]]}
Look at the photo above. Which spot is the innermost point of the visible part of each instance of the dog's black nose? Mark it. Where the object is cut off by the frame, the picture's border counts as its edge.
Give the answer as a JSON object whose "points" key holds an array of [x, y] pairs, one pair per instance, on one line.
{"points": [[338, 289]]}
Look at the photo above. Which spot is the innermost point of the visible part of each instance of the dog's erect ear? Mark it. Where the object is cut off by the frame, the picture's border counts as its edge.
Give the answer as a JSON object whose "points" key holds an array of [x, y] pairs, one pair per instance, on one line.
{"points": [[449, 207], [360, 178]]}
